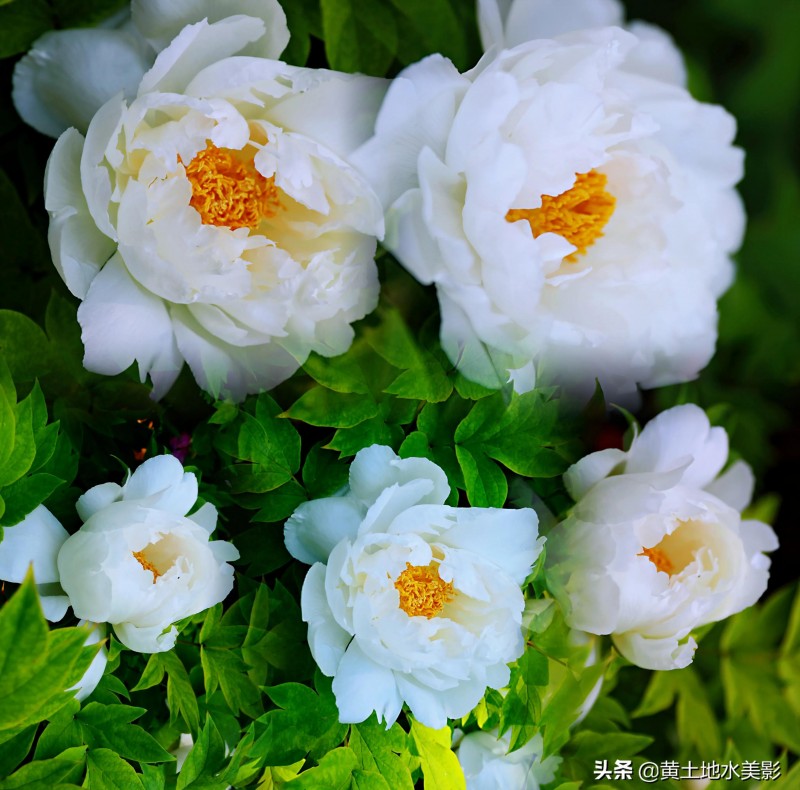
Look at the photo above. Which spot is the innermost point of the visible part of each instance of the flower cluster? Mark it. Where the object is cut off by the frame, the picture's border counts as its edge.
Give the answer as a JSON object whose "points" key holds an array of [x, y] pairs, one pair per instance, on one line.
{"points": [[573, 209]]}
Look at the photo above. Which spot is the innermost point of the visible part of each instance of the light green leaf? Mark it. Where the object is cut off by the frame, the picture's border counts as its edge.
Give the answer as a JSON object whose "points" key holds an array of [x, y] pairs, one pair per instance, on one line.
{"points": [[485, 482], [67, 767], [181, 698], [378, 750], [21, 457], [108, 771], [440, 766], [204, 760], [334, 772]]}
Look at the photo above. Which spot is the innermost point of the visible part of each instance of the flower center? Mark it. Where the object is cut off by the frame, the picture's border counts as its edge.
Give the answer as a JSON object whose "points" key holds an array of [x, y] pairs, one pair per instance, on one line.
{"points": [[659, 558], [146, 564], [578, 215], [422, 590], [228, 191]]}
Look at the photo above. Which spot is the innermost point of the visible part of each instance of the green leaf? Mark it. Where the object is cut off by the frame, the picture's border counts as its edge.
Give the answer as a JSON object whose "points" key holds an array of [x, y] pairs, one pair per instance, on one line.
{"points": [[8, 426], [303, 18], [305, 721], [152, 674], [323, 474], [21, 457], [108, 771], [485, 482], [348, 441], [428, 26], [181, 698], [280, 503], [522, 705], [323, 407], [204, 760], [67, 767], [334, 772], [15, 750], [378, 750], [359, 35], [26, 494], [23, 343], [269, 440], [341, 374], [85, 13], [440, 766], [109, 727], [223, 668], [62, 732]]}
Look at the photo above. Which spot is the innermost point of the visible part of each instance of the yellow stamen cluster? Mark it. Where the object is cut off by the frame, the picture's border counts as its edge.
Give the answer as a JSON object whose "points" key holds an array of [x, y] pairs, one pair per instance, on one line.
{"points": [[422, 590], [146, 564], [659, 558], [228, 191], [578, 215]]}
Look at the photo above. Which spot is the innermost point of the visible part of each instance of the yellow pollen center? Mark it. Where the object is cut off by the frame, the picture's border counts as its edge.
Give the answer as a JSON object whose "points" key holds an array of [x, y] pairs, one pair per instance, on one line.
{"points": [[146, 564], [228, 191], [422, 590], [578, 215], [659, 558]]}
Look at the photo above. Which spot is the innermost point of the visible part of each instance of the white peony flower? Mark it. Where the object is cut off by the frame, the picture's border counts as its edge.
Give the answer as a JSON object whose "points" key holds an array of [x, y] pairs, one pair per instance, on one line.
{"points": [[655, 546], [487, 764], [570, 200], [409, 600], [213, 218], [138, 562], [68, 75]]}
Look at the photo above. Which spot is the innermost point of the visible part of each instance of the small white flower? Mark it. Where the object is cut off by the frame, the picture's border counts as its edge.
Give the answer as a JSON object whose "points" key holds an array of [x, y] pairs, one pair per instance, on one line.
{"points": [[487, 764], [68, 75], [409, 600], [213, 219], [573, 204], [655, 546], [138, 562]]}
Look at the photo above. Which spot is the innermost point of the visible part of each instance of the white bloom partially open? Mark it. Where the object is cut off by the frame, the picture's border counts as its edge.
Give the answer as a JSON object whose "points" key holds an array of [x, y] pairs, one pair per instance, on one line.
{"points": [[655, 546], [68, 75], [573, 204], [138, 562], [409, 600], [487, 765], [213, 218]]}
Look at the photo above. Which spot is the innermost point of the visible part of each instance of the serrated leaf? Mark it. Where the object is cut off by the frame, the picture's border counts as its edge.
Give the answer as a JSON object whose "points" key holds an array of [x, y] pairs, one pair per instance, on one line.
{"points": [[341, 374], [440, 766], [323, 474], [348, 441], [280, 503], [181, 698]]}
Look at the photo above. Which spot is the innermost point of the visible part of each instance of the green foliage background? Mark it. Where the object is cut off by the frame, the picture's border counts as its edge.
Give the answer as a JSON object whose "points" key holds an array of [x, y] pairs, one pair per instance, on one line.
{"points": [[241, 679]]}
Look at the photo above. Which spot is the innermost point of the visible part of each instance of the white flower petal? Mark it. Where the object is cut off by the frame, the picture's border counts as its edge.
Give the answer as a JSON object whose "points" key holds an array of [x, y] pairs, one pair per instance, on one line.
{"points": [[36, 541], [327, 640], [122, 324], [206, 517], [160, 21], [361, 686], [161, 483], [658, 654], [79, 249], [735, 486], [54, 606], [581, 476], [317, 526], [146, 640], [97, 498], [69, 74]]}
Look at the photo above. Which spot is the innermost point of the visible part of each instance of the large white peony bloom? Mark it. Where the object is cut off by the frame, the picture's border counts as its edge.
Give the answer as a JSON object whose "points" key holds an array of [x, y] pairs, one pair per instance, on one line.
{"points": [[487, 764], [409, 600], [213, 218], [570, 200], [655, 546], [138, 562], [68, 75]]}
